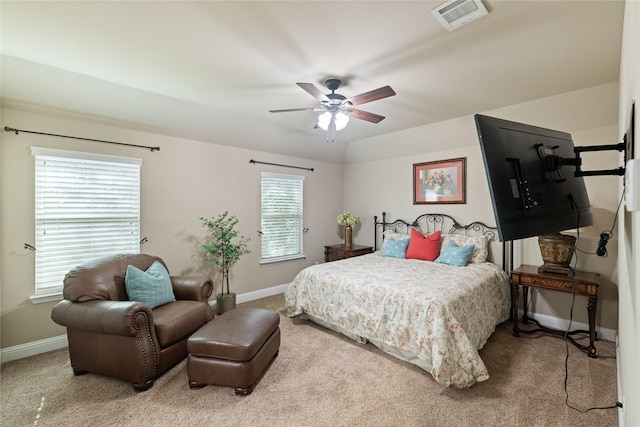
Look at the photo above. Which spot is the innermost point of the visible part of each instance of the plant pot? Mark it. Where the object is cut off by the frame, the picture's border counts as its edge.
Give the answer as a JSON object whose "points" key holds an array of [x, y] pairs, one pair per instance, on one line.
{"points": [[556, 250], [225, 302]]}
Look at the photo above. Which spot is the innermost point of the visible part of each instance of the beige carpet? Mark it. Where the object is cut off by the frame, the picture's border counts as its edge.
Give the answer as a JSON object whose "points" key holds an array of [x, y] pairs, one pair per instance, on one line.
{"points": [[323, 379]]}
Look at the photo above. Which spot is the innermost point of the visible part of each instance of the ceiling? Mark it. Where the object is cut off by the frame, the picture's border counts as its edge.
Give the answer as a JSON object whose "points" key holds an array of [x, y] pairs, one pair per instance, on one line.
{"points": [[212, 70]]}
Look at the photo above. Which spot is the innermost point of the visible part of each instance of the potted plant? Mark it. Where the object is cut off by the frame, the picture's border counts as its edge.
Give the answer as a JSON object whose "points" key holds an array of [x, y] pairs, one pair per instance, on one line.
{"points": [[348, 219], [223, 252]]}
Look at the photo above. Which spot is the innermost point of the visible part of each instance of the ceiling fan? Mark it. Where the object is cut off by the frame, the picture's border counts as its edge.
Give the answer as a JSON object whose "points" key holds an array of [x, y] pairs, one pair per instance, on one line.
{"points": [[338, 108]]}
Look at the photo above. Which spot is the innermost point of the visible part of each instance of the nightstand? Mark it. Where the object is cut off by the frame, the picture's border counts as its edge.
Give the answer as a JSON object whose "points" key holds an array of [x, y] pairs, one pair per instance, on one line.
{"points": [[584, 284], [336, 252]]}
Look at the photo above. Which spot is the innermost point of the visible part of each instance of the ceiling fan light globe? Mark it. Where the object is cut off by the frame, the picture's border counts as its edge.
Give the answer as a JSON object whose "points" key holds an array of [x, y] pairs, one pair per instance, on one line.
{"points": [[323, 120], [341, 120]]}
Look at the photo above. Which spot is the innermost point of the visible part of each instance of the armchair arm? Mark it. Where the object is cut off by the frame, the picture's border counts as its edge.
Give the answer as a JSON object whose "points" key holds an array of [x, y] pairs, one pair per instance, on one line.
{"points": [[124, 318], [197, 288]]}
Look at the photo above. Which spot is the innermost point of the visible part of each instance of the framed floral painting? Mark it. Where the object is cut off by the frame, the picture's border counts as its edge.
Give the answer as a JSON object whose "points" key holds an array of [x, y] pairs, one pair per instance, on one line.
{"points": [[443, 181]]}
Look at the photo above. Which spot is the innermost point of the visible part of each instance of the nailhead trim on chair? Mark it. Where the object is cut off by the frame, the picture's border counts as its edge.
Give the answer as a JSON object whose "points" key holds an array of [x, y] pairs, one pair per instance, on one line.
{"points": [[144, 354]]}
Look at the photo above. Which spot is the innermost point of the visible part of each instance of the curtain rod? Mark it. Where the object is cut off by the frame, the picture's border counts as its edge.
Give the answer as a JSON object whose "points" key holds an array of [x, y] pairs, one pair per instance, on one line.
{"points": [[278, 164], [9, 129]]}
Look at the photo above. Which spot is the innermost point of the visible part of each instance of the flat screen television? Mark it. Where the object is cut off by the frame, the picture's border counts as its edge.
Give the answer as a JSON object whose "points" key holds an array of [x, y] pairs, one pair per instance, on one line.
{"points": [[532, 191]]}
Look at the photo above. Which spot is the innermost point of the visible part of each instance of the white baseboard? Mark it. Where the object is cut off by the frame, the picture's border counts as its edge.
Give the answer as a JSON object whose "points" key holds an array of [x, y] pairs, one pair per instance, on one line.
{"points": [[49, 344], [262, 293], [32, 348], [563, 324]]}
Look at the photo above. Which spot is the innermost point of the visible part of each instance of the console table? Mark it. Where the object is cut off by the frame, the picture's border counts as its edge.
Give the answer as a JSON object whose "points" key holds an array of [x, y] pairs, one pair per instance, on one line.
{"points": [[336, 252], [584, 283]]}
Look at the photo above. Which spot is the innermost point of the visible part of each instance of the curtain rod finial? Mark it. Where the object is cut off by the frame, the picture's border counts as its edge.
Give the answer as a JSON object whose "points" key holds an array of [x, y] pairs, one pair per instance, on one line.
{"points": [[8, 129]]}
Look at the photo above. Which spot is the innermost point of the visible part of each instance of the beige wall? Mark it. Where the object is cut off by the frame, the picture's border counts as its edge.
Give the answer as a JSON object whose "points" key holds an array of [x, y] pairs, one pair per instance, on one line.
{"points": [[629, 242], [182, 182], [378, 178]]}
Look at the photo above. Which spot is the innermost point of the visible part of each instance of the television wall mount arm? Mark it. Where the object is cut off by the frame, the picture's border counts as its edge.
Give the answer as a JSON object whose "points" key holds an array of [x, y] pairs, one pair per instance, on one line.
{"points": [[622, 147], [553, 163]]}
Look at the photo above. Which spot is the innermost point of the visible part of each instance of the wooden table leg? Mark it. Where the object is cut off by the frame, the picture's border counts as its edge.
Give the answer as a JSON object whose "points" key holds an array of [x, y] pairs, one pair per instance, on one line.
{"points": [[525, 304], [591, 310], [515, 291]]}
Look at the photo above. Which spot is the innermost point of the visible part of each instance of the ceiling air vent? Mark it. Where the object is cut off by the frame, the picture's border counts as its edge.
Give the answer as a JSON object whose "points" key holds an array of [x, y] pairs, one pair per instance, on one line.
{"points": [[456, 13]]}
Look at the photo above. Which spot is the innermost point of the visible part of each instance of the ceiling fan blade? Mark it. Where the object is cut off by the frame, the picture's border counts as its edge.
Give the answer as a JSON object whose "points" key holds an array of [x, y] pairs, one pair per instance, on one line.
{"points": [[286, 110], [313, 90], [372, 95], [365, 115]]}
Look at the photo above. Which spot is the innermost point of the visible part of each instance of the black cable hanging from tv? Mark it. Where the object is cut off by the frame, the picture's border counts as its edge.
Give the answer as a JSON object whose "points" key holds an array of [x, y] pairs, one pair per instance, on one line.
{"points": [[17, 131]]}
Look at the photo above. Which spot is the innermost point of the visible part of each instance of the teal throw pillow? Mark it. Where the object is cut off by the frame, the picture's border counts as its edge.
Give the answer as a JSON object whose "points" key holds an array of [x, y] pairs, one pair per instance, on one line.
{"points": [[152, 287], [396, 248], [456, 255]]}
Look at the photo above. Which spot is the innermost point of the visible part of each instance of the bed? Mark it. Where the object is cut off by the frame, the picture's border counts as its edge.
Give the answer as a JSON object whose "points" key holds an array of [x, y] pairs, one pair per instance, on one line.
{"points": [[432, 314]]}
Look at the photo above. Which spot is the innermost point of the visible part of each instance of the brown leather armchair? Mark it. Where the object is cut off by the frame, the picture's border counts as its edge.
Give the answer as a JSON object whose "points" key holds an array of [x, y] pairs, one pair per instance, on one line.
{"points": [[110, 335]]}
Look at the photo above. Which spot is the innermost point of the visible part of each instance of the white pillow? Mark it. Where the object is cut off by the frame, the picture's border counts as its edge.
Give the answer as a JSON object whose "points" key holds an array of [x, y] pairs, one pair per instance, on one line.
{"points": [[392, 235], [480, 251]]}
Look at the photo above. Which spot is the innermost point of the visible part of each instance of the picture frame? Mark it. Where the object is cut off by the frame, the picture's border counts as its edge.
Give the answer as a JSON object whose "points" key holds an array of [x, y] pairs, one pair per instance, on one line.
{"points": [[442, 181]]}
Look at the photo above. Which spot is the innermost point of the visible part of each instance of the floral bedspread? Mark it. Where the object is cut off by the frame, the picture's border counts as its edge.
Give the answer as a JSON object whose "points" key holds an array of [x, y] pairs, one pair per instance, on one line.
{"points": [[443, 314]]}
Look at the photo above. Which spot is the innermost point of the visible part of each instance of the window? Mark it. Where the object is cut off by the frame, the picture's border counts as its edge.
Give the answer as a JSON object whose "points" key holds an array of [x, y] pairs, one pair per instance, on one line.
{"points": [[87, 206], [281, 217]]}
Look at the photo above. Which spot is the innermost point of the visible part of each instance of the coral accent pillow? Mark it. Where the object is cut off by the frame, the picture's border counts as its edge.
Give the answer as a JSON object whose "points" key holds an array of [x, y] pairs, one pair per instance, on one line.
{"points": [[423, 247]]}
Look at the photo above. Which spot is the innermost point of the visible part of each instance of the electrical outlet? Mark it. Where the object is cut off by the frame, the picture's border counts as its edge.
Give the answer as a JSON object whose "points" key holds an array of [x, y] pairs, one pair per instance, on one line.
{"points": [[632, 185]]}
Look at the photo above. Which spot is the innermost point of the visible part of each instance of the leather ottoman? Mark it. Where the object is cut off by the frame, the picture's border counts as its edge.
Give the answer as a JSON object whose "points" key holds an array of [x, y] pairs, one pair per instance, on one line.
{"points": [[233, 349]]}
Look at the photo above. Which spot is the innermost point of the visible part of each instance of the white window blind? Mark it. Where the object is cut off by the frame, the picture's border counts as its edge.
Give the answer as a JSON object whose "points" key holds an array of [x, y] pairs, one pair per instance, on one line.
{"points": [[87, 206], [281, 217]]}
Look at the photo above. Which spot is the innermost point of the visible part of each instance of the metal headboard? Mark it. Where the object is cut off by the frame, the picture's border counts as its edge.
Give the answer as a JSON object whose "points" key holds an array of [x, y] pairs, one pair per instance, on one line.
{"points": [[431, 222]]}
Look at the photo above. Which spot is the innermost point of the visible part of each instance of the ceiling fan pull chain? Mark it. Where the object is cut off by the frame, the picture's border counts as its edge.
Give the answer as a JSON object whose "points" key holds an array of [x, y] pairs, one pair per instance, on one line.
{"points": [[332, 129]]}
